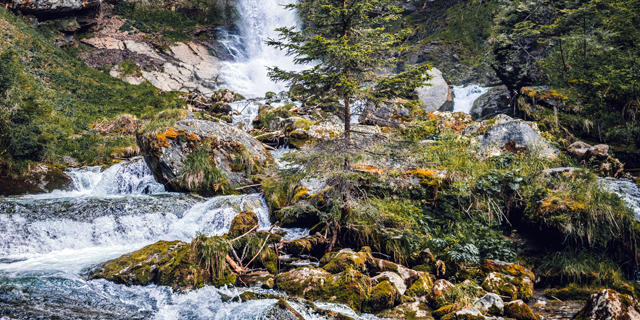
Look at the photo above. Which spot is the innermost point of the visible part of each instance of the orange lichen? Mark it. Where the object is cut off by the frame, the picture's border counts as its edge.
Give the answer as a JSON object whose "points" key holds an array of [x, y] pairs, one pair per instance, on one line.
{"points": [[163, 138], [368, 169]]}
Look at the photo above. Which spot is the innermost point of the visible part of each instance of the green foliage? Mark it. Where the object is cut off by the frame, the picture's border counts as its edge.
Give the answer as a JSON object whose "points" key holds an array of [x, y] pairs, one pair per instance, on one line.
{"points": [[201, 174], [580, 266], [211, 252], [351, 41], [174, 25], [49, 101]]}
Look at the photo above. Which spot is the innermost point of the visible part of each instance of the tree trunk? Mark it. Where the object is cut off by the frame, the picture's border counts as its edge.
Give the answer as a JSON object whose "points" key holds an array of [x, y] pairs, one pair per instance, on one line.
{"points": [[347, 121]]}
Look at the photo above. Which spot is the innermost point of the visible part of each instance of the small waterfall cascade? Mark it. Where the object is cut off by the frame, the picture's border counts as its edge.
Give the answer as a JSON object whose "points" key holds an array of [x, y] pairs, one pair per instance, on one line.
{"points": [[627, 190], [465, 96], [247, 72]]}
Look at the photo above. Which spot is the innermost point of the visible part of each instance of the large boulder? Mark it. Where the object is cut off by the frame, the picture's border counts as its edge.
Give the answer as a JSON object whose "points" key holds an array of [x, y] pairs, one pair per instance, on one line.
{"points": [[516, 136], [171, 263], [520, 311], [507, 279], [202, 156], [52, 6], [437, 95], [41, 178], [383, 115], [608, 304], [492, 103]]}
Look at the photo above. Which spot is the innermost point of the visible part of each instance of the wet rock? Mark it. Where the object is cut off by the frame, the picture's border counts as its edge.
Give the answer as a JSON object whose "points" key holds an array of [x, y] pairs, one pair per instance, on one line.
{"points": [[202, 156], [420, 287], [520, 311], [437, 96], [394, 279], [516, 136], [492, 103], [608, 304], [242, 223], [282, 311], [491, 304], [70, 162]]}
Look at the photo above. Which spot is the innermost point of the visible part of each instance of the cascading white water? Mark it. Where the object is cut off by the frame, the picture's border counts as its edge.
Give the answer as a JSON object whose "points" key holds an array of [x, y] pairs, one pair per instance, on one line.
{"points": [[465, 96], [627, 190], [247, 73]]}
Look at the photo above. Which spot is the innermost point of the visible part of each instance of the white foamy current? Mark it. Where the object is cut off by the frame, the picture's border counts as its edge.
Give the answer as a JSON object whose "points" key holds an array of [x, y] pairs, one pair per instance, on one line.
{"points": [[465, 96], [247, 72], [47, 240]]}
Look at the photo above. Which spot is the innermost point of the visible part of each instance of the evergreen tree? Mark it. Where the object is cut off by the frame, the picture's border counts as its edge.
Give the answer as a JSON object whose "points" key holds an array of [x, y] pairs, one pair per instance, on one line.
{"points": [[349, 43]]}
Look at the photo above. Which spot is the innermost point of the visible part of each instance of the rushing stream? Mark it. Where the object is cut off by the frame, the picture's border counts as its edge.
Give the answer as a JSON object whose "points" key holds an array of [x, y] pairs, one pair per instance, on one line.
{"points": [[47, 240]]}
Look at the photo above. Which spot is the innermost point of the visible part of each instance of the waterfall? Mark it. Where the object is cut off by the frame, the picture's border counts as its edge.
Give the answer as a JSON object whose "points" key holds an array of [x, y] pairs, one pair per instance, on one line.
{"points": [[465, 96], [247, 72]]}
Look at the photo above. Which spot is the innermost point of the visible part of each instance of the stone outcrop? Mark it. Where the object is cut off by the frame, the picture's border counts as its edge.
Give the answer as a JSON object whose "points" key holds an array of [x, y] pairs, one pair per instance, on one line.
{"points": [[598, 154], [609, 304], [490, 303], [228, 154], [492, 103], [40, 178], [437, 95], [507, 279], [515, 136]]}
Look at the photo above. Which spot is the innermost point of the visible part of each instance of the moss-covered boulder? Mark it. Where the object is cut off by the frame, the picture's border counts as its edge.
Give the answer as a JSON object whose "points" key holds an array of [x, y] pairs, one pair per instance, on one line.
{"points": [[243, 223], [259, 244], [508, 279], [420, 287], [384, 295], [172, 263], [445, 310], [572, 291], [202, 156], [349, 287], [336, 262], [520, 311], [469, 314], [609, 304]]}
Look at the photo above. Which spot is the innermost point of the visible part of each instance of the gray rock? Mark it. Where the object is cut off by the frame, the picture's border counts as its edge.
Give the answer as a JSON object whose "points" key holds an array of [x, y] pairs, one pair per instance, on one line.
{"points": [[437, 96], [491, 302], [282, 311], [516, 136], [381, 116], [470, 311], [609, 304], [166, 160], [52, 6], [492, 103]]}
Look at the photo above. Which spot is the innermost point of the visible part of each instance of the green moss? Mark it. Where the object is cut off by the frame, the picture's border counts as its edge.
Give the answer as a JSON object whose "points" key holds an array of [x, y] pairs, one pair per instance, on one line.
{"points": [[572, 291], [443, 311], [420, 287], [303, 124], [519, 310], [383, 296], [344, 259], [242, 223]]}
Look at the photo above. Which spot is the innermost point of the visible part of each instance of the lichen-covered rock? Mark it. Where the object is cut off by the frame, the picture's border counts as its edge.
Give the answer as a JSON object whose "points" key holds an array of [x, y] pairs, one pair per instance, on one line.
{"points": [[383, 115], [202, 156], [608, 304], [491, 304], [500, 284], [492, 103], [242, 223], [336, 262], [394, 279], [520, 311]]}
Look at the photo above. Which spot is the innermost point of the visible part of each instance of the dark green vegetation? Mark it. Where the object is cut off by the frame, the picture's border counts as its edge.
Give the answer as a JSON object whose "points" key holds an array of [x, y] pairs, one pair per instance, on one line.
{"points": [[403, 196], [49, 102], [351, 41], [175, 21], [586, 52]]}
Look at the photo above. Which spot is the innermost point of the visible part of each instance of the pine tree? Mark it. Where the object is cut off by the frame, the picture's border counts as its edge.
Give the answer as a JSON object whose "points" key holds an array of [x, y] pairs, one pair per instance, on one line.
{"points": [[349, 43]]}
